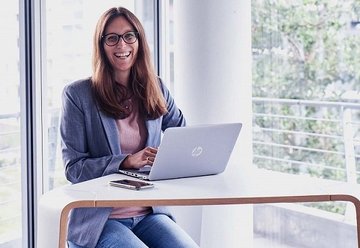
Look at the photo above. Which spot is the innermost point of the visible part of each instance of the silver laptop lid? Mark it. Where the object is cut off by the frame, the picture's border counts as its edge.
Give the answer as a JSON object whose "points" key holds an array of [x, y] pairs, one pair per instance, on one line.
{"points": [[194, 151]]}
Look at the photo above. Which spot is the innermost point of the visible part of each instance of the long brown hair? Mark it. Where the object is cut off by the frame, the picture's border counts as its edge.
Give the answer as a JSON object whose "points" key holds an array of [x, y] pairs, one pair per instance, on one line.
{"points": [[143, 79]]}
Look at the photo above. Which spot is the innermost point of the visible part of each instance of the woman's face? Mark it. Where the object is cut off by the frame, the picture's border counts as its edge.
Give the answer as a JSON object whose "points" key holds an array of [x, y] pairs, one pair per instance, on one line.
{"points": [[122, 56]]}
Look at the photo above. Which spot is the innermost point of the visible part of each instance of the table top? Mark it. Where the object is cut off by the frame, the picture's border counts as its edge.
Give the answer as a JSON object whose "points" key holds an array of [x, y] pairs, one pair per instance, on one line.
{"points": [[255, 186], [230, 187]]}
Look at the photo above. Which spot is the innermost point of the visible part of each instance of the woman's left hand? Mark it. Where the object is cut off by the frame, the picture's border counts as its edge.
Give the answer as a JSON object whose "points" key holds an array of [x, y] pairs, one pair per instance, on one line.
{"points": [[137, 160]]}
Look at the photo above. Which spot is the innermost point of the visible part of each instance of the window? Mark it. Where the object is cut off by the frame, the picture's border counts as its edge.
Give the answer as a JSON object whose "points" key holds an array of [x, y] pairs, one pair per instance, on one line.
{"points": [[10, 129], [307, 52], [306, 95]]}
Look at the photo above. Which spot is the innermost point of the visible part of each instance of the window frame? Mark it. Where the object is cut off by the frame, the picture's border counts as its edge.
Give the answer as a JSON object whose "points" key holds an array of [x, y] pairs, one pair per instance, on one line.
{"points": [[29, 116]]}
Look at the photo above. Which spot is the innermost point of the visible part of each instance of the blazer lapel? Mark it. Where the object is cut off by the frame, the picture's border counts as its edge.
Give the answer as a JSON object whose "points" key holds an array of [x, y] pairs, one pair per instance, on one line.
{"points": [[111, 132]]}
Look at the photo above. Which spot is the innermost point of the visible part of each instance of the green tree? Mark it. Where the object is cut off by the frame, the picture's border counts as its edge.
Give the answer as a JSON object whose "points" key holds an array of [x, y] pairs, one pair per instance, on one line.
{"points": [[305, 49]]}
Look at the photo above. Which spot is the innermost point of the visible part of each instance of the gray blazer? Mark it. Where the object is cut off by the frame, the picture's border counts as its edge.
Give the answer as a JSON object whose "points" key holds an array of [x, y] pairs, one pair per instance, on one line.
{"points": [[91, 149]]}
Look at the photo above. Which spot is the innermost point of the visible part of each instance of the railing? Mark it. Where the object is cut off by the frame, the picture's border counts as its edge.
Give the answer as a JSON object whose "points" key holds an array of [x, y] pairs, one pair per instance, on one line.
{"points": [[317, 138], [313, 137], [10, 178]]}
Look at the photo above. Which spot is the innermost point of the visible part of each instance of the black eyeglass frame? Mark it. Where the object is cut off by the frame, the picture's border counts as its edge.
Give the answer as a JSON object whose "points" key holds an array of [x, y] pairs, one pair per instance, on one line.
{"points": [[120, 36]]}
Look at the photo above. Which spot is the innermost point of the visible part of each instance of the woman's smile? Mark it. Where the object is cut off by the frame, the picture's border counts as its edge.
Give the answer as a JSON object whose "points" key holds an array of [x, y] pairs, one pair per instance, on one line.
{"points": [[122, 55]]}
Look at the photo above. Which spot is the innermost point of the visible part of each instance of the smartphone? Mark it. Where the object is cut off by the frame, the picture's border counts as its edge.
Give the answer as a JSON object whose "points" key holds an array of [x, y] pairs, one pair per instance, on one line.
{"points": [[131, 184]]}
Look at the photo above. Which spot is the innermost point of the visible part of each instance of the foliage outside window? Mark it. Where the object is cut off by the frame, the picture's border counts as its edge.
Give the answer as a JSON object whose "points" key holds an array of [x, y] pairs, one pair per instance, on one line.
{"points": [[308, 51]]}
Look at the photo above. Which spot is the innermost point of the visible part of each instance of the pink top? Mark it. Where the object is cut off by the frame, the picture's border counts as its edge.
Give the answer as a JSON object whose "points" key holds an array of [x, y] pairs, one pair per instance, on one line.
{"points": [[132, 131], [132, 136]]}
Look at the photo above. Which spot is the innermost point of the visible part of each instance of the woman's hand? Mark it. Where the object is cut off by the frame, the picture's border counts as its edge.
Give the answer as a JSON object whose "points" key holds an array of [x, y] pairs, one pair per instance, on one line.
{"points": [[137, 160]]}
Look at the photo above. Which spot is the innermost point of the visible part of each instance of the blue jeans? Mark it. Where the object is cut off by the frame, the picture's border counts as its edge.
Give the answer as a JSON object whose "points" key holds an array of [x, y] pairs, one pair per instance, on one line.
{"points": [[153, 230]]}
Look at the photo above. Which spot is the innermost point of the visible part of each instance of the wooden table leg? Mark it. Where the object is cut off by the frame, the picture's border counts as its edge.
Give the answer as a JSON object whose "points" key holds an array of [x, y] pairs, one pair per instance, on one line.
{"points": [[64, 217], [356, 203]]}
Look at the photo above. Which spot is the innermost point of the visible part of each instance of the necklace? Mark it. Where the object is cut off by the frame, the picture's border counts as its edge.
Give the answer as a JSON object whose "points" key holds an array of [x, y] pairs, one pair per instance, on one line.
{"points": [[127, 103]]}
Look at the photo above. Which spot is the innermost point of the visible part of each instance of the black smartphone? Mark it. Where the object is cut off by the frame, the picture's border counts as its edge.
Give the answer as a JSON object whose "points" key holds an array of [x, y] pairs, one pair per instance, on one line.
{"points": [[131, 184]]}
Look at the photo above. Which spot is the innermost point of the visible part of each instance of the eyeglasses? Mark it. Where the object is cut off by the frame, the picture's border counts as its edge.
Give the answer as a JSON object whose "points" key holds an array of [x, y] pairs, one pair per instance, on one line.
{"points": [[113, 39]]}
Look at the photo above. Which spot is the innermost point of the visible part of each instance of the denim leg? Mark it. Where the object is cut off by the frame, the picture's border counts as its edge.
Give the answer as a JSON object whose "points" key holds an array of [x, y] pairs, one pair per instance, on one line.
{"points": [[159, 231], [118, 235], [153, 230]]}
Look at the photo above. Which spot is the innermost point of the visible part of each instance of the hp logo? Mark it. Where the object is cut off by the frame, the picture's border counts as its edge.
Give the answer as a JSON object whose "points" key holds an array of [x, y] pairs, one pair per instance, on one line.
{"points": [[196, 152]]}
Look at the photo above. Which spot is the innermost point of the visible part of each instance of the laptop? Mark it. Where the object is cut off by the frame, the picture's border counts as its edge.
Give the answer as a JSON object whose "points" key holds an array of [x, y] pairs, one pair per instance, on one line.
{"points": [[191, 151]]}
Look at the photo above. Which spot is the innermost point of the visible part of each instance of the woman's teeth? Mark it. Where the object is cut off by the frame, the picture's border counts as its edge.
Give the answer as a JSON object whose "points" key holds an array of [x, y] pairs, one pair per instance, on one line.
{"points": [[122, 55]]}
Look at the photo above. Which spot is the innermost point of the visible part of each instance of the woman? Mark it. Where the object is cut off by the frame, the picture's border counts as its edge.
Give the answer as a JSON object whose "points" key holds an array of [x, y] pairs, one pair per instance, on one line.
{"points": [[114, 119]]}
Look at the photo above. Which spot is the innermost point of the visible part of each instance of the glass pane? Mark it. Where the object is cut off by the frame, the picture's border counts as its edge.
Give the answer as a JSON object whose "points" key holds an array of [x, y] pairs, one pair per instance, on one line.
{"points": [[69, 28], [306, 98], [308, 51], [10, 142]]}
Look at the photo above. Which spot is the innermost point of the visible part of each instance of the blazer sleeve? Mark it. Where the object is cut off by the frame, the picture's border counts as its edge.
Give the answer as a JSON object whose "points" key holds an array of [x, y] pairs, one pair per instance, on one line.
{"points": [[85, 149]]}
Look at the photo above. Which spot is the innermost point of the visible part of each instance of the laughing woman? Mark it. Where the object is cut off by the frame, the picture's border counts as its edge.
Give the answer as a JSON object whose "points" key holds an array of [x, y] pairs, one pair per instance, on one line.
{"points": [[113, 120]]}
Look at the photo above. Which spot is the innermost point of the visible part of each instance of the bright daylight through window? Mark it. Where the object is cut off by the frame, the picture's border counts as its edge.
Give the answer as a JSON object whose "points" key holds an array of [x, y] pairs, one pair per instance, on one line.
{"points": [[306, 90], [10, 161]]}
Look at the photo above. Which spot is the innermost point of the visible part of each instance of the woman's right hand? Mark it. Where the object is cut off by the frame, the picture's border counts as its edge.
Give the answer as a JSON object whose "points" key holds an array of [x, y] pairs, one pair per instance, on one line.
{"points": [[137, 160]]}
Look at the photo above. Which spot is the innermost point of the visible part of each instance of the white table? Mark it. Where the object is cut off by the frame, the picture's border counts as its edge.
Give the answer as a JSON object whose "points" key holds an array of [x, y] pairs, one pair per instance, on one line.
{"points": [[253, 187]]}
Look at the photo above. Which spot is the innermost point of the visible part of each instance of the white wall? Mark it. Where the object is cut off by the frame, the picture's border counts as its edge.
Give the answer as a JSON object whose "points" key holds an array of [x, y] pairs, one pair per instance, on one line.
{"points": [[213, 85]]}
